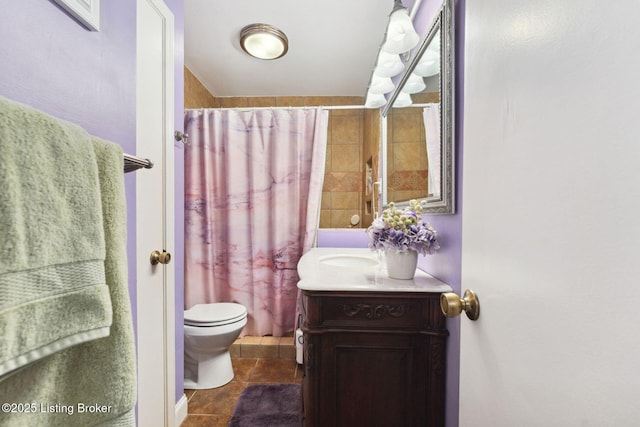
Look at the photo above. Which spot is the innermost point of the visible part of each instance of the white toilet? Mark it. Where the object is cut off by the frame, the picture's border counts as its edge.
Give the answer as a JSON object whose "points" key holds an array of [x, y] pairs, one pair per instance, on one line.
{"points": [[209, 331]]}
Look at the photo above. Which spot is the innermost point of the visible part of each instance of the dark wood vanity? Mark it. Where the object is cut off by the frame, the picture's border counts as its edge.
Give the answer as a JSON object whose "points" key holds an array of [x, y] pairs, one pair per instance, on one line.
{"points": [[373, 359]]}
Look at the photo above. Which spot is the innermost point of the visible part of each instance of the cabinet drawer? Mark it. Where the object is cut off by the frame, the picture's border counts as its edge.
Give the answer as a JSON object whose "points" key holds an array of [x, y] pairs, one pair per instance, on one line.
{"points": [[386, 312]]}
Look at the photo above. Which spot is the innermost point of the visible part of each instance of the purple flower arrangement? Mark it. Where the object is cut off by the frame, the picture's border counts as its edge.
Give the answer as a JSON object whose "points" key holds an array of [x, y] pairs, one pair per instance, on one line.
{"points": [[403, 230]]}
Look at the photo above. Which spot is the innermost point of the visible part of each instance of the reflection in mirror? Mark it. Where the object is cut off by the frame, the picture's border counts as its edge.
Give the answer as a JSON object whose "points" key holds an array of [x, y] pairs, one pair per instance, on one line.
{"points": [[417, 131], [353, 139], [407, 165]]}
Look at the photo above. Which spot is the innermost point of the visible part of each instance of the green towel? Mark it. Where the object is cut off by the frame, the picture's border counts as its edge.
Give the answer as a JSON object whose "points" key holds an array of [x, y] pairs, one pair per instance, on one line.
{"points": [[92, 383], [53, 293]]}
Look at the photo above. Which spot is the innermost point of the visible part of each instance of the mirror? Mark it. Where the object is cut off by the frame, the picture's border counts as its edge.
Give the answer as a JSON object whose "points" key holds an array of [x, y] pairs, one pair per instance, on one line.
{"points": [[417, 125]]}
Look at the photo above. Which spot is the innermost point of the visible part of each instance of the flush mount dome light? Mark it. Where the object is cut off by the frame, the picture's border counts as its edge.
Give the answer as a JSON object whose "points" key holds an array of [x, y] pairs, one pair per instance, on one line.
{"points": [[263, 41]]}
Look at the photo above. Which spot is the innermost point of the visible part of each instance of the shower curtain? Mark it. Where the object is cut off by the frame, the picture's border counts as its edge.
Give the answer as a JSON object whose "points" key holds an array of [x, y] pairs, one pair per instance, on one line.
{"points": [[253, 183]]}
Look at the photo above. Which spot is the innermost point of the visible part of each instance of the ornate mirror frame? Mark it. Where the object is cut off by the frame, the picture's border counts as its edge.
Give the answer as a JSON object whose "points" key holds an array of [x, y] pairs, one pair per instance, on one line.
{"points": [[444, 202]]}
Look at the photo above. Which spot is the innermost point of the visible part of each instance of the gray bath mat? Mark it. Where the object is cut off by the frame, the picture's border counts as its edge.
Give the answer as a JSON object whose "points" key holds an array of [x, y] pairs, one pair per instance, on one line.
{"points": [[268, 405]]}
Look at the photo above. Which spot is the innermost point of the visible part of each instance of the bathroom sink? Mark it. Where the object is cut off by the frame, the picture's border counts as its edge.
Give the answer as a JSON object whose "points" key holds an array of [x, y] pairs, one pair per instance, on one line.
{"points": [[345, 260], [359, 270]]}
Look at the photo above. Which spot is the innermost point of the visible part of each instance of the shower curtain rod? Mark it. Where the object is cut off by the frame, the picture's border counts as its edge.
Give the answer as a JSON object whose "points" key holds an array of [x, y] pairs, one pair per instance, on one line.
{"points": [[326, 107], [132, 163]]}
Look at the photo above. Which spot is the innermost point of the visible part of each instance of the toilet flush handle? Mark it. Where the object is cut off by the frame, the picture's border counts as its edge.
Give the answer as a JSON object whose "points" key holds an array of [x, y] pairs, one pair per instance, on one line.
{"points": [[158, 257]]}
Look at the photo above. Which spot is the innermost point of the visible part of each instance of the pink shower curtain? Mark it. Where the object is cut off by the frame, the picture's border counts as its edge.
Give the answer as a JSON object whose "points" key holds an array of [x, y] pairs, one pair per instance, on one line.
{"points": [[253, 183]]}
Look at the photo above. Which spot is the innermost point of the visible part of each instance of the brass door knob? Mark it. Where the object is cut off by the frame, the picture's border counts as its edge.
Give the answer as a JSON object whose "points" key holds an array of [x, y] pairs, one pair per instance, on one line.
{"points": [[158, 257], [452, 305]]}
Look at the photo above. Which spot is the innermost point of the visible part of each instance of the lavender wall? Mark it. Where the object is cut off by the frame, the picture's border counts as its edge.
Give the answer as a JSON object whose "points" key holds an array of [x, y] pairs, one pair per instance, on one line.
{"points": [[342, 238], [53, 63]]}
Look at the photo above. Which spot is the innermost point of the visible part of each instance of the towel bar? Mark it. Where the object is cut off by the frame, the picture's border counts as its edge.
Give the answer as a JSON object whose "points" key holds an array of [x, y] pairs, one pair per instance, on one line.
{"points": [[132, 163]]}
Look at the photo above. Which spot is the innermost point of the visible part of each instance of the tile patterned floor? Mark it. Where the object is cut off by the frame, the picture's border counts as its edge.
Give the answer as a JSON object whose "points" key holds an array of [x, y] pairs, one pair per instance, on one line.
{"points": [[255, 360]]}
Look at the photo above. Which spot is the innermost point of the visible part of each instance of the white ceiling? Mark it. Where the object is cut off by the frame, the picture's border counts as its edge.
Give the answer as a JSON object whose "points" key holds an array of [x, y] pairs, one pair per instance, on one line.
{"points": [[333, 46]]}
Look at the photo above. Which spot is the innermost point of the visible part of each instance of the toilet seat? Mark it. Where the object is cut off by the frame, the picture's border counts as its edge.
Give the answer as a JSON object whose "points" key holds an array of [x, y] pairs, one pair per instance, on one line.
{"points": [[215, 314]]}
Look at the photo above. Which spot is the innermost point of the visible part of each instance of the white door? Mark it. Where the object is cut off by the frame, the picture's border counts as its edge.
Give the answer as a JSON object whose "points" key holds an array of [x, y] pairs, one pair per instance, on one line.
{"points": [[551, 206], [154, 211]]}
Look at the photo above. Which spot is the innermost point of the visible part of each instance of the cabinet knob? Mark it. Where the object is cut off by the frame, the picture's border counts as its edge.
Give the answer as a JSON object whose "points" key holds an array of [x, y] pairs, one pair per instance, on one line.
{"points": [[452, 305]]}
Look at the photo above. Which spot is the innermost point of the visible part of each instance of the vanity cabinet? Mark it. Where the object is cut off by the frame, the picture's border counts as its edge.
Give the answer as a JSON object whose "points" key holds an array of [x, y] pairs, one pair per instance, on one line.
{"points": [[373, 359]]}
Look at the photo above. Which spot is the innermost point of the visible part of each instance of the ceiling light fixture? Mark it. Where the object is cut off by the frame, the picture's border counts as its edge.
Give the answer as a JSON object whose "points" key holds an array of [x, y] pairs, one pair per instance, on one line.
{"points": [[264, 41]]}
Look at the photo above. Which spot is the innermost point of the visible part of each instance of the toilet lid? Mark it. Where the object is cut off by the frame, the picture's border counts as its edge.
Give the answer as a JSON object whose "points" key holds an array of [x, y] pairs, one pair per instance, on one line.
{"points": [[212, 314]]}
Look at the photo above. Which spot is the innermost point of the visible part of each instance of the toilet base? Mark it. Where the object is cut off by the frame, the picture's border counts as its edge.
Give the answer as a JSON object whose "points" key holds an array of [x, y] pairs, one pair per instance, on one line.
{"points": [[214, 371]]}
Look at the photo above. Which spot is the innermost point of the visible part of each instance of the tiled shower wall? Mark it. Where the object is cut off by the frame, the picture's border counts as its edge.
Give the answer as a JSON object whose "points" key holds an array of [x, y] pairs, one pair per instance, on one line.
{"points": [[195, 94], [349, 140], [342, 193], [407, 166], [406, 155]]}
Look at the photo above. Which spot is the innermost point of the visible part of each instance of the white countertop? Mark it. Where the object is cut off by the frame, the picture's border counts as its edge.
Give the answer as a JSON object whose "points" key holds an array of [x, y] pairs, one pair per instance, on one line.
{"points": [[364, 270]]}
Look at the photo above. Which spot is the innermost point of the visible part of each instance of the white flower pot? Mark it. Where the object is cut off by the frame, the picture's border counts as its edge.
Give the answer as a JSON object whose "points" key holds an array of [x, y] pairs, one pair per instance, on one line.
{"points": [[401, 265]]}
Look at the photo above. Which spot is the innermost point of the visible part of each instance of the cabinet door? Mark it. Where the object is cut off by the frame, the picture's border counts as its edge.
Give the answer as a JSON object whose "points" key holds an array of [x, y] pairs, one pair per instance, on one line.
{"points": [[373, 379], [374, 360]]}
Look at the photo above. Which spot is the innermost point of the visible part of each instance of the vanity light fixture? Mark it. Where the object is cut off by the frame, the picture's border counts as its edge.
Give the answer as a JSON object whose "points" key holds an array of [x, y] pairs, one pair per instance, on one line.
{"points": [[381, 85], [375, 100], [401, 36], [403, 100], [264, 41], [429, 64], [414, 84], [388, 65]]}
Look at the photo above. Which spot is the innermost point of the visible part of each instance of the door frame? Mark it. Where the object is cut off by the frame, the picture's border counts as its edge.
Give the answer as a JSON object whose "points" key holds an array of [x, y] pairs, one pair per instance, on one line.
{"points": [[143, 210]]}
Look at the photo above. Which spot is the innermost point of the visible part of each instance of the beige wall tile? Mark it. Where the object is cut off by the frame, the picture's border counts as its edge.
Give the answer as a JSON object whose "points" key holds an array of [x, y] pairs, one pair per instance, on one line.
{"points": [[326, 200], [240, 102], [251, 340], [195, 94], [325, 218], [346, 130], [347, 100], [426, 97], [265, 101], [269, 340], [409, 156], [346, 158], [345, 200], [291, 101], [344, 181], [318, 101], [408, 125], [408, 195], [259, 351]]}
